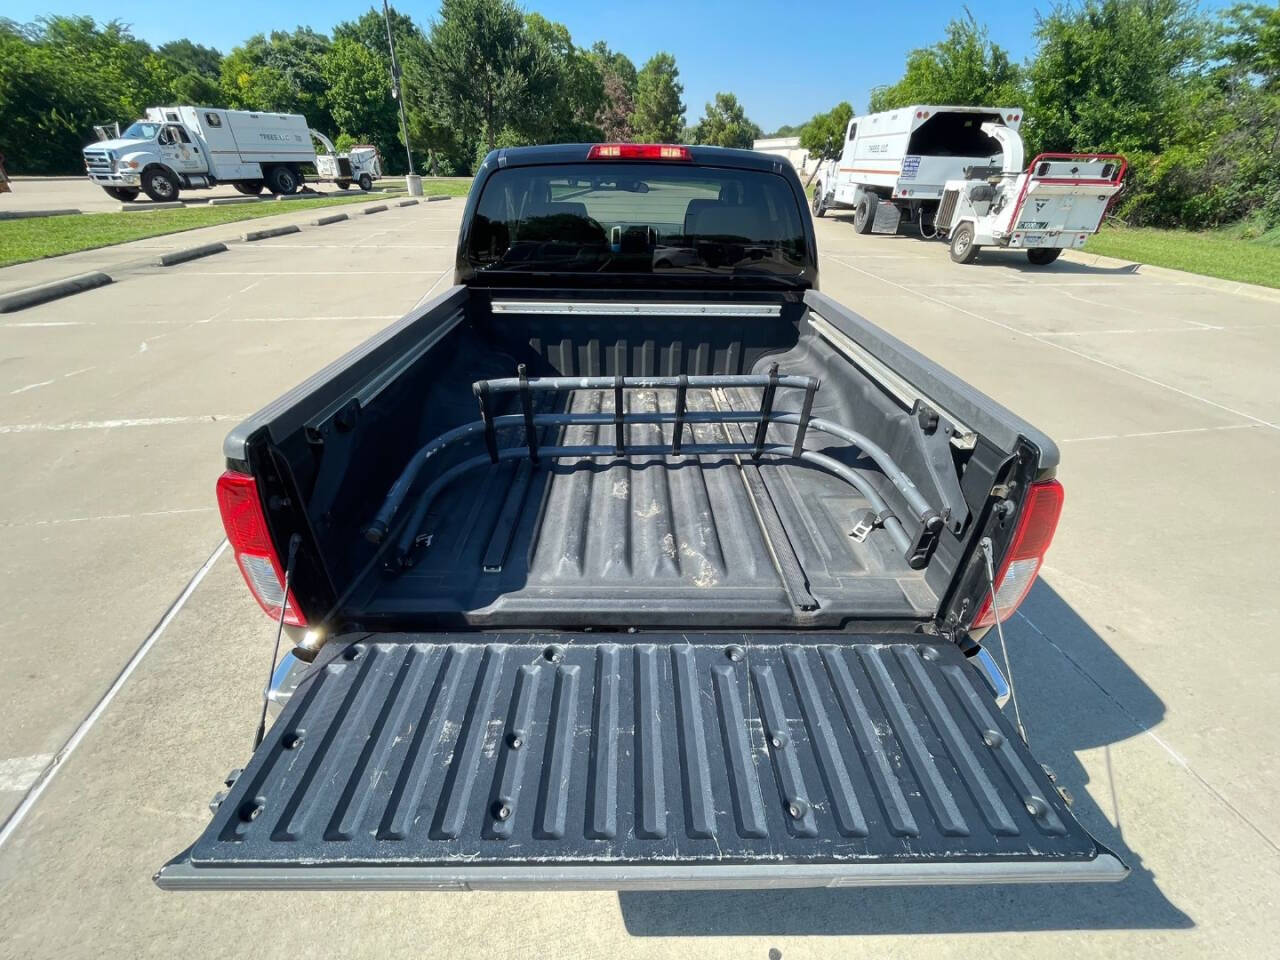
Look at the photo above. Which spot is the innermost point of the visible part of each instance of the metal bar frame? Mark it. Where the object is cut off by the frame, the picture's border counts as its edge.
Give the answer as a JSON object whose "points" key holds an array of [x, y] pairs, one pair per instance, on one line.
{"points": [[928, 517]]}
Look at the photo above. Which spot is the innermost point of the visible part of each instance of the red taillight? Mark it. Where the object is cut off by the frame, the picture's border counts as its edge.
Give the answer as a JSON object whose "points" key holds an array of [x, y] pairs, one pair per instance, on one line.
{"points": [[1031, 540], [638, 151], [246, 527]]}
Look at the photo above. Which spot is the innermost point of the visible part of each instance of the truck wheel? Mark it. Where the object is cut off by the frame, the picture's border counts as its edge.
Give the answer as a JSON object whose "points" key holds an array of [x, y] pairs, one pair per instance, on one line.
{"points": [[160, 185], [282, 180], [864, 214], [343, 184], [1043, 256], [123, 194], [250, 188], [819, 208], [963, 249], [366, 182]]}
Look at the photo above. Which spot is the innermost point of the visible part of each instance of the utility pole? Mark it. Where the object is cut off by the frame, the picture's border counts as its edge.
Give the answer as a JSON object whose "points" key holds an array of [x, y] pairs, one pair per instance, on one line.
{"points": [[395, 85]]}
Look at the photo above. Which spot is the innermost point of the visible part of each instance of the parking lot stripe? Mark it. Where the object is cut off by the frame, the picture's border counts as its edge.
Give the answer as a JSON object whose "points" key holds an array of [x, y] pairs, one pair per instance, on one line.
{"points": [[19, 773], [1065, 349], [1163, 433], [112, 424], [55, 763]]}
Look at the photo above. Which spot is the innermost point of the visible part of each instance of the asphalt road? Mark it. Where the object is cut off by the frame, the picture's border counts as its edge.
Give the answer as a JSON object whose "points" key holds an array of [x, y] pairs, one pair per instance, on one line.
{"points": [[1145, 659]]}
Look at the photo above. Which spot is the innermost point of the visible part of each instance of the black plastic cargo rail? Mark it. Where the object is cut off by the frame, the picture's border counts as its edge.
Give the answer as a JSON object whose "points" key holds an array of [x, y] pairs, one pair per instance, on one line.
{"points": [[926, 517], [442, 762]]}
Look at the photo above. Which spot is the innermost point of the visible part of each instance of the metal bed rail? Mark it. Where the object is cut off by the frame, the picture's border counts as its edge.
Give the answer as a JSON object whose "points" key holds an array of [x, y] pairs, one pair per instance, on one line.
{"points": [[929, 518]]}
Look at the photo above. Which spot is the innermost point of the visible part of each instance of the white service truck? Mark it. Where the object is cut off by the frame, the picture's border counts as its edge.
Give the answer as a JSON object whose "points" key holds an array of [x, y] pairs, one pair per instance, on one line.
{"points": [[896, 163], [1054, 204], [178, 148]]}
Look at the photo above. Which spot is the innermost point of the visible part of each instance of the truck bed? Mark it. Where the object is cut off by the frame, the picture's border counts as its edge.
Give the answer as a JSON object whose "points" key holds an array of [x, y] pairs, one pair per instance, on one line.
{"points": [[437, 762], [608, 539]]}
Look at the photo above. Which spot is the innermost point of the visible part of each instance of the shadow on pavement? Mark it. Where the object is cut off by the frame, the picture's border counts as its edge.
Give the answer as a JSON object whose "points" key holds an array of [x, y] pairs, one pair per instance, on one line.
{"points": [[1066, 711]]}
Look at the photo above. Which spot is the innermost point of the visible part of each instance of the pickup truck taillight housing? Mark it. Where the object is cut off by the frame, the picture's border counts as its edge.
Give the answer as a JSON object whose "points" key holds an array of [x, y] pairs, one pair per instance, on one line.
{"points": [[246, 527], [1036, 524]]}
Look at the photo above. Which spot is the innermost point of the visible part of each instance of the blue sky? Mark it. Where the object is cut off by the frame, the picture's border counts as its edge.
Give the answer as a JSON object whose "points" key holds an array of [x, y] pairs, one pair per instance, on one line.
{"points": [[784, 69]]}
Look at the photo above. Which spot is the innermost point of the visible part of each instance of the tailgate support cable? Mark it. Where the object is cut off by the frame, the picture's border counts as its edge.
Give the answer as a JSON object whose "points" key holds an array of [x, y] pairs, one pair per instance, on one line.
{"points": [[294, 541], [1004, 646]]}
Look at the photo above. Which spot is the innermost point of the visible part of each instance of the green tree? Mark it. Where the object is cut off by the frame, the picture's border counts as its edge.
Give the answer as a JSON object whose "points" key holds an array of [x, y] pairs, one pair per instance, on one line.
{"points": [[282, 73], [725, 124], [190, 57], [823, 135], [787, 130], [618, 85], [61, 75], [477, 67], [964, 68], [1111, 74], [359, 96], [565, 88], [659, 114], [1249, 43]]}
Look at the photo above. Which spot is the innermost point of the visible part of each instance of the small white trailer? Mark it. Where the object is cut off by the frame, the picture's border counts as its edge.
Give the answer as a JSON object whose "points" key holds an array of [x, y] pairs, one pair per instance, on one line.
{"points": [[896, 163], [180, 148], [1056, 203], [360, 165]]}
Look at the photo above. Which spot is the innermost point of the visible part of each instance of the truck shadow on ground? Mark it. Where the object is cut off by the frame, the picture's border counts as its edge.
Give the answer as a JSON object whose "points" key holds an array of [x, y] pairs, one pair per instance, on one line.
{"points": [[1076, 695]]}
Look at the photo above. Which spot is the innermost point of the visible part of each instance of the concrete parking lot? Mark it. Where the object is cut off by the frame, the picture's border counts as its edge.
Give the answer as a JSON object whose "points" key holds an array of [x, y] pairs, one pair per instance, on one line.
{"points": [[79, 193], [1145, 659]]}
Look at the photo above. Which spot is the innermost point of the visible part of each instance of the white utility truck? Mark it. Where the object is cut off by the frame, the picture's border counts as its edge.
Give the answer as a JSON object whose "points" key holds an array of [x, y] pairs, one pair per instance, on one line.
{"points": [[177, 148], [896, 163], [1054, 204], [360, 165]]}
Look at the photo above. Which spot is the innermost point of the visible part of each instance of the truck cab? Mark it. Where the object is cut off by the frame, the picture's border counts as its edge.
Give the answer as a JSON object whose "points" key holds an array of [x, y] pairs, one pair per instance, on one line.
{"points": [[118, 165]]}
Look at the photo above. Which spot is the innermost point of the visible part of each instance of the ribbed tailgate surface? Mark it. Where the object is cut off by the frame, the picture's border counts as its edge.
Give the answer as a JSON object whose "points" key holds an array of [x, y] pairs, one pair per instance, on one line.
{"points": [[648, 759]]}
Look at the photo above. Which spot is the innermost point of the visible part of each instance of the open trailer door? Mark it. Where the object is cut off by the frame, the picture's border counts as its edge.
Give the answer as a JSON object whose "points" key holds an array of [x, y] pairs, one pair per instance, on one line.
{"points": [[468, 762]]}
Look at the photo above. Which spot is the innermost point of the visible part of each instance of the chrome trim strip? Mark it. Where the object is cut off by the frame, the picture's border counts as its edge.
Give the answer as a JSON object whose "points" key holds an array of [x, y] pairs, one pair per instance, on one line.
{"points": [[182, 874], [996, 683], [284, 681], [610, 309]]}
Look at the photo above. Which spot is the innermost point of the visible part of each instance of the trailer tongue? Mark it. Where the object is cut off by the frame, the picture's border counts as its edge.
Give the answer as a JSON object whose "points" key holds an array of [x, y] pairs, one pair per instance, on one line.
{"points": [[703, 761]]}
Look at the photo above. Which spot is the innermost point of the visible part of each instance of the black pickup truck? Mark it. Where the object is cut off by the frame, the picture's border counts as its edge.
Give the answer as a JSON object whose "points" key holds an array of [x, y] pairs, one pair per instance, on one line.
{"points": [[633, 561]]}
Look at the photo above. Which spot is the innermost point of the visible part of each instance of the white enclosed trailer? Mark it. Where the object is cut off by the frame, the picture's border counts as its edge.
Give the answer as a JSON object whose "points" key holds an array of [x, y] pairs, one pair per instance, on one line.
{"points": [[1055, 204], [897, 162], [179, 148]]}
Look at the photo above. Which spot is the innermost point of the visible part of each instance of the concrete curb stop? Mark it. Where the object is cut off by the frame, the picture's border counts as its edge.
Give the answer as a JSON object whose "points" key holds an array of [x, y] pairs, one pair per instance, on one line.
{"points": [[32, 214], [332, 218], [143, 207], [31, 296], [378, 209], [191, 253], [407, 203], [223, 201], [271, 232], [435, 198]]}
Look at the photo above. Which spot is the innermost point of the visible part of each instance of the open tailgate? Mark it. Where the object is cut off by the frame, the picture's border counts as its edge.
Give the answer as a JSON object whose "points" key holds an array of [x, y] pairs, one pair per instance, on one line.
{"points": [[464, 762]]}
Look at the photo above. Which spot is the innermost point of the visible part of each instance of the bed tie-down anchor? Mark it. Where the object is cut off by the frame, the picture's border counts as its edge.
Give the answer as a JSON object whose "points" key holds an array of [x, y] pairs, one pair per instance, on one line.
{"points": [[927, 518]]}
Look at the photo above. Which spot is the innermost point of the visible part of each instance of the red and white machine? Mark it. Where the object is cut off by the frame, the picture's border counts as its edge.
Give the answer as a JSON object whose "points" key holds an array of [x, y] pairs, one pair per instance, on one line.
{"points": [[1056, 203]]}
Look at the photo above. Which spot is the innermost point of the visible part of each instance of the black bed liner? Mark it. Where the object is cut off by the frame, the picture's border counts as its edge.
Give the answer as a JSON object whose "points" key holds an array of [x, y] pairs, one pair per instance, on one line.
{"points": [[650, 539], [720, 761]]}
